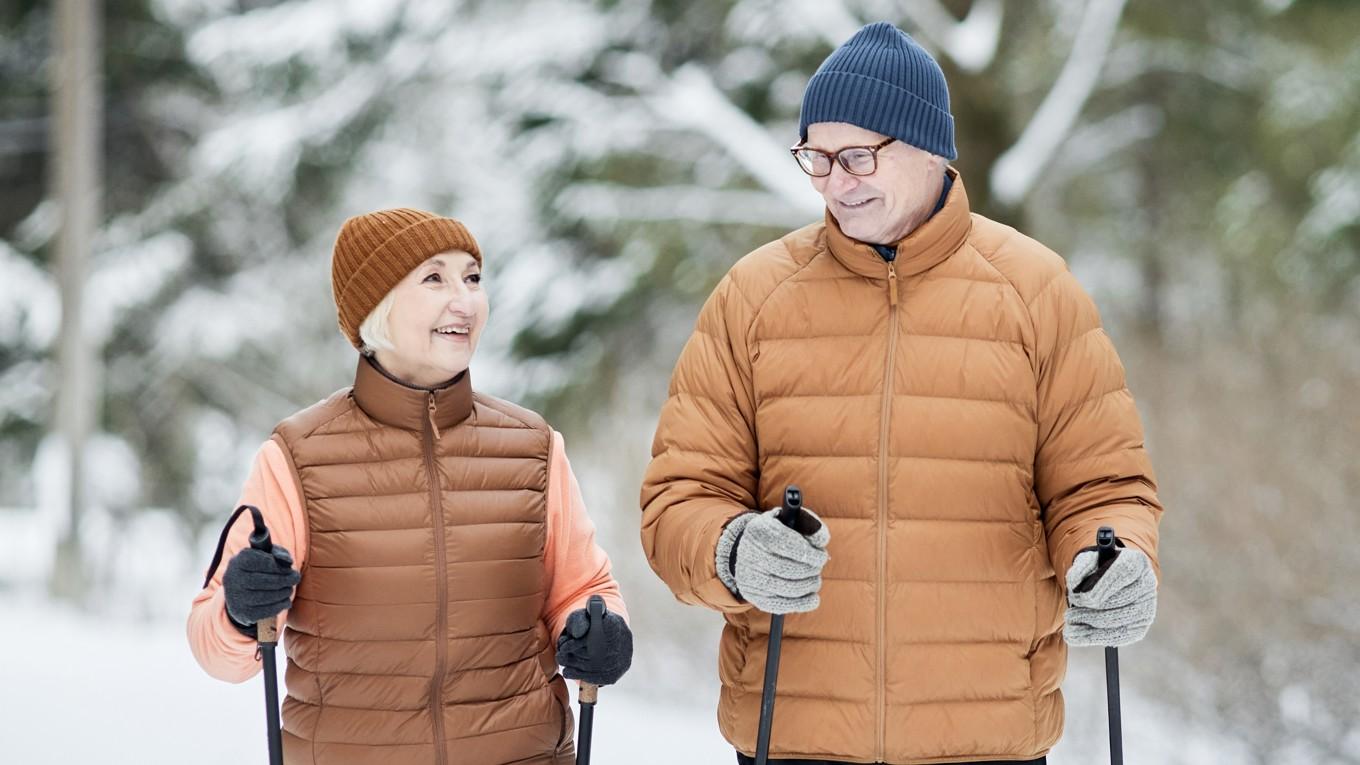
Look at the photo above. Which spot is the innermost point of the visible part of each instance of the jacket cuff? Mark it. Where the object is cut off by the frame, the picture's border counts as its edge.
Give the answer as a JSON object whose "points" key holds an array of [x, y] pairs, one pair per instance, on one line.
{"points": [[1132, 526], [725, 558]]}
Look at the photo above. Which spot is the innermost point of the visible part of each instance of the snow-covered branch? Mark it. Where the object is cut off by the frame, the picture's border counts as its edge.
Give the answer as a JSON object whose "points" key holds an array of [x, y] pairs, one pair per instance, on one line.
{"points": [[831, 18], [689, 98], [1109, 137], [612, 202], [1020, 166], [971, 43], [1134, 59]]}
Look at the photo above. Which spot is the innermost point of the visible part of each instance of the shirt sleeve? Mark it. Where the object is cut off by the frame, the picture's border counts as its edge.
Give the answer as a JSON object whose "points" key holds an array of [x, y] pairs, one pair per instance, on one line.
{"points": [[217, 645], [576, 566]]}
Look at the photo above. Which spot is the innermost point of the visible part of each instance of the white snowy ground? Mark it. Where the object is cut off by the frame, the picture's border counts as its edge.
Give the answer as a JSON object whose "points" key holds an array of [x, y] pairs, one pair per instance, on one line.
{"points": [[76, 688]]}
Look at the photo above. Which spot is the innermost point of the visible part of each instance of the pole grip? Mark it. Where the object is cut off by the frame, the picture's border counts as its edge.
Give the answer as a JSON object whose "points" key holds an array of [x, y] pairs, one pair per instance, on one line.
{"points": [[595, 637], [589, 694], [1105, 549], [793, 503], [259, 538], [266, 630], [595, 608]]}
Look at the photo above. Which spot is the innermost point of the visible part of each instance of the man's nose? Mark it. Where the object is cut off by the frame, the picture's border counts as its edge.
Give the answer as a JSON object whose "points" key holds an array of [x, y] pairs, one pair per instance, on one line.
{"points": [[840, 181]]}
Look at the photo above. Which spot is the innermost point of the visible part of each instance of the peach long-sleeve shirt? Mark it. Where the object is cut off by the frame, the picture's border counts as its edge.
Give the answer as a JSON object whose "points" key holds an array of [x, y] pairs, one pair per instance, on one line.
{"points": [[576, 567]]}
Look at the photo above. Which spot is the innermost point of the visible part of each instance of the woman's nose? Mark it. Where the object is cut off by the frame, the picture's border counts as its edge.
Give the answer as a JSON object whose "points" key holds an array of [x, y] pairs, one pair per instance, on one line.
{"points": [[460, 301]]}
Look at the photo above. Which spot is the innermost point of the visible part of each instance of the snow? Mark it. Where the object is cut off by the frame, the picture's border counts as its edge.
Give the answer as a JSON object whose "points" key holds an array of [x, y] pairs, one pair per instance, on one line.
{"points": [[970, 43], [313, 31], [1336, 192], [607, 202], [688, 97], [1020, 166], [126, 277], [29, 305]]}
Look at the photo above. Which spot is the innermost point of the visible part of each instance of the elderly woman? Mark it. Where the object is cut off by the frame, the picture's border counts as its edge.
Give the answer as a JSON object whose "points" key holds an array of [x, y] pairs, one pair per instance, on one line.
{"points": [[436, 537]]}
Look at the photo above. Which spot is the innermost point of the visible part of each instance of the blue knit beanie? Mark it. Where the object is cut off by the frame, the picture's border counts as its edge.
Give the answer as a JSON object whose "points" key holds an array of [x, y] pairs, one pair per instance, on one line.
{"points": [[881, 80]]}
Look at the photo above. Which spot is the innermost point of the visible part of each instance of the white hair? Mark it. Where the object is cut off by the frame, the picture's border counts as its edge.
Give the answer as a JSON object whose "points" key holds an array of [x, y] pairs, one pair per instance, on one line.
{"points": [[373, 331]]}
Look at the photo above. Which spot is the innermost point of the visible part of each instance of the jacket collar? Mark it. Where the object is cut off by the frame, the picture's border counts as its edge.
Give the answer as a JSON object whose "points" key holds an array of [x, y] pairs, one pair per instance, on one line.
{"points": [[928, 246], [401, 405]]}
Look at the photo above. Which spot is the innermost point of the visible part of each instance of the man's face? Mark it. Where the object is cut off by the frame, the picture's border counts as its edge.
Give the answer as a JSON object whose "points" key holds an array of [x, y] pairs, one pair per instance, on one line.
{"points": [[885, 206]]}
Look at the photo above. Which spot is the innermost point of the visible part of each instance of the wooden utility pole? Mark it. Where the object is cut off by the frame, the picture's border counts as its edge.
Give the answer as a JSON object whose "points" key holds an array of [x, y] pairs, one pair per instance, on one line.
{"points": [[77, 128]]}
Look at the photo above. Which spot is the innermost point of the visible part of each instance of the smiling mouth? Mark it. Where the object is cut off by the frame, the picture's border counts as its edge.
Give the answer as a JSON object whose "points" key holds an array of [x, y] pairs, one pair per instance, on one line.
{"points": [[454, 331], [856, 205]]}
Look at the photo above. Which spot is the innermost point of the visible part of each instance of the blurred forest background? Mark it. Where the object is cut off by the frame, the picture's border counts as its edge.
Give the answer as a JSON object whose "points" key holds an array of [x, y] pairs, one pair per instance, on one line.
{"points": [[190, 161]]}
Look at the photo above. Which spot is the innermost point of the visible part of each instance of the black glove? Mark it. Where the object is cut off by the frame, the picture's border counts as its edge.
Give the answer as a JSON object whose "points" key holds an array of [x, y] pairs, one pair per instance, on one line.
{"points": [[616, 655], [258, 585]]}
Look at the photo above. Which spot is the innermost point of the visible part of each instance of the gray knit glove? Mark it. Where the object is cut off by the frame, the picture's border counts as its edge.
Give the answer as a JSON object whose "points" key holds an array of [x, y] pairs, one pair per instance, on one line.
{"points": [[1117, 607], [776, 568]]}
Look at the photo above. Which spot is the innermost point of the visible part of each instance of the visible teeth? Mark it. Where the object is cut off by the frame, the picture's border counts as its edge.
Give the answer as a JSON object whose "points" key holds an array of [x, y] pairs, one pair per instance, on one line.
{"points": [[452, 330]]}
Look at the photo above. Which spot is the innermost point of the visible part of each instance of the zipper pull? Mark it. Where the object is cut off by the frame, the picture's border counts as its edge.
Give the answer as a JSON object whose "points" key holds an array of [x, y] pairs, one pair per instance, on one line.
{"points": [[892, 285], [431, 407]]}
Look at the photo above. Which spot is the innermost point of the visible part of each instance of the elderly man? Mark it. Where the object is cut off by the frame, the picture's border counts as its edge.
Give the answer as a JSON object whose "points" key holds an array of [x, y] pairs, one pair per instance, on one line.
{"points": [[939, 386]]}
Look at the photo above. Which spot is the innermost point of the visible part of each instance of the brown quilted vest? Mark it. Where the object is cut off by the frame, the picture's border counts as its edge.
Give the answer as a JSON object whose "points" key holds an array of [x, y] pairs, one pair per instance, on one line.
{"points": [[416, 634], [961, 422]]}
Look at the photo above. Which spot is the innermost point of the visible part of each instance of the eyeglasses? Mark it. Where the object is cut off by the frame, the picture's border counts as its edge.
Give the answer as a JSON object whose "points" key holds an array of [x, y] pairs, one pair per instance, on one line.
{"points": [[857, 160]]}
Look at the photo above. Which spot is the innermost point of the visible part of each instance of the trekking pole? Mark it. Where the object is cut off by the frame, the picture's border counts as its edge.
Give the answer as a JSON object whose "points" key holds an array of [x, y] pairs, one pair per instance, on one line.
{"points": [[1105, 552], [267, 638], [589, 692], [788, 514]]}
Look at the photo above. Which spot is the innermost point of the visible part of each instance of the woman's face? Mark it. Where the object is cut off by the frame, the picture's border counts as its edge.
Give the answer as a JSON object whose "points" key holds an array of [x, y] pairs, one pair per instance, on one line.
{"points": [[438, 313]]}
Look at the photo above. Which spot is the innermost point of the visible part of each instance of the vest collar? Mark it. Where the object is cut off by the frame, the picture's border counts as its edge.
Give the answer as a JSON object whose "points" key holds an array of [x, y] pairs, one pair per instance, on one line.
{"points": [[401, 405], [928, 246]]}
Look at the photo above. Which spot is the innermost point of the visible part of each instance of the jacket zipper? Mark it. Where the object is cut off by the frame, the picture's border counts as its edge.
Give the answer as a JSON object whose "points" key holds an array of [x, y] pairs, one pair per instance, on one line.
{"points": [[883, 459], [441, 585]]}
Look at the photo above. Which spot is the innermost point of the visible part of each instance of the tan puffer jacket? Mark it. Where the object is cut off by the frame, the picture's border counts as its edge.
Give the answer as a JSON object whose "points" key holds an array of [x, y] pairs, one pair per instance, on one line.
{"points": [[401, 650], [961, 422]]}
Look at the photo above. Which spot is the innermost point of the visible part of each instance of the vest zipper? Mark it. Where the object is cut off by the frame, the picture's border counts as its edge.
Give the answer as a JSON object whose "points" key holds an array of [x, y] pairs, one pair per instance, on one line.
{"points": [[441, 586], [434, 427], [884, 457]]}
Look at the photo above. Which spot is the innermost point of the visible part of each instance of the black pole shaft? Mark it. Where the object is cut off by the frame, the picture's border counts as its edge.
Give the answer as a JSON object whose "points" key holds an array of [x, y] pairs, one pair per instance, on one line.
{"points": [[584, 733], [271, 704], [1112, 699], [767, 695]]}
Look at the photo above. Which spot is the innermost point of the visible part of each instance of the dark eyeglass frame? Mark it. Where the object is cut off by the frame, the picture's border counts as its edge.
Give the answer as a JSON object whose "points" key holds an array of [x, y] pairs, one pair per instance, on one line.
{"points": [[836, 159]]}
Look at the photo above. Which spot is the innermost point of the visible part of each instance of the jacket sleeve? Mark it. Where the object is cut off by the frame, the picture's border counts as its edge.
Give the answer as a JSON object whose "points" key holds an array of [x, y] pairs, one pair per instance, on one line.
{"points": [[576, 566], [704, 467], [219, 647], [1091, 469]]}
